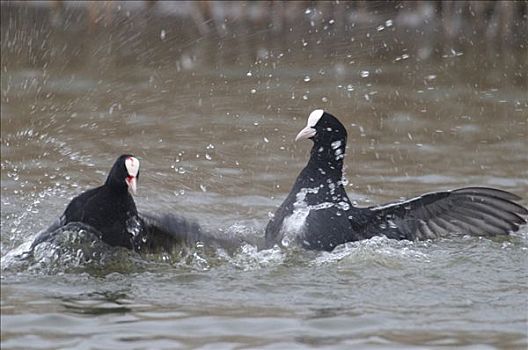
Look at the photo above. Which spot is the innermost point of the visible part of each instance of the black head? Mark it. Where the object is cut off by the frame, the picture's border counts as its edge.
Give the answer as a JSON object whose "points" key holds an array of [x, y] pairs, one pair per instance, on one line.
{"points": [[124, 174], [323, 128], [329, 137]]}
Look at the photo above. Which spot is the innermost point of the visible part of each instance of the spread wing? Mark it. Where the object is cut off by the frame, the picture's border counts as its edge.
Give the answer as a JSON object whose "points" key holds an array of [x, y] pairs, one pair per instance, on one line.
{"points": [[46, 234], [164, 232], [470, 210]]}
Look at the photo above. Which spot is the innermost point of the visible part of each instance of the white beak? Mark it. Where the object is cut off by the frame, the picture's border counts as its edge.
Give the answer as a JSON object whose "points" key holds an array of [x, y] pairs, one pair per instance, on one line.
{"points": [[132, 184], [305, 133]]}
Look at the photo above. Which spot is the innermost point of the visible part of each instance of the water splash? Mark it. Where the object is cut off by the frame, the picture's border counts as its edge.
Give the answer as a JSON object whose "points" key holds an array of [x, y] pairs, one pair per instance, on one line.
{"points": [[250, 258], [380, 250], [72, 248]]}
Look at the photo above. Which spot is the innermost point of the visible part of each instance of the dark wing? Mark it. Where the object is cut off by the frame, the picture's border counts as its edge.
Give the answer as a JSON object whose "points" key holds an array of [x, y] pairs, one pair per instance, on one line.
{"points": [[46, 234], [470, 210], [74, 212], [165, 232], [273, 228]]}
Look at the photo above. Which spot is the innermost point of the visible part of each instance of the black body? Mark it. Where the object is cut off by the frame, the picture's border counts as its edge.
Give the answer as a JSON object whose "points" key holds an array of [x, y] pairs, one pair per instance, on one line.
{"points": [[330, 219], [111, 211]]}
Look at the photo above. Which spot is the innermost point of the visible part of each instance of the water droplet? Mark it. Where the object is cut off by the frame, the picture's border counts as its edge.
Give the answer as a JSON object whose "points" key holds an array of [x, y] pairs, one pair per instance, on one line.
{"points": [[307, 78], [163, 34], [364, 73]]}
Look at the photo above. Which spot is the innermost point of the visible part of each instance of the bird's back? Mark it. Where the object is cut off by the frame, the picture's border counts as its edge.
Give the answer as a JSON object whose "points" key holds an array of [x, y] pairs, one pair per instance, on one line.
{"points": [[112, 214]]}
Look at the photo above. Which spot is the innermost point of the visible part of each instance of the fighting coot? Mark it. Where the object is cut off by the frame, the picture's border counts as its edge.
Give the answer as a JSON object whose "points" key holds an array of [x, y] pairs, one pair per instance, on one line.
{"points": [[111, 211], [318, 214]]}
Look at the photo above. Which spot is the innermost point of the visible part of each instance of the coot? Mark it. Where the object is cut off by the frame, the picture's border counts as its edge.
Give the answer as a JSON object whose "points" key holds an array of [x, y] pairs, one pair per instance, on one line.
{"points": [[318, 214], [111, 211]]}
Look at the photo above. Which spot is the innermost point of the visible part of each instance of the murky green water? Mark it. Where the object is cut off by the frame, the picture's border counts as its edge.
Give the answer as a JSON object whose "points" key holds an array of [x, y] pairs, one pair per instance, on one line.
{"points": [[213, 120]]}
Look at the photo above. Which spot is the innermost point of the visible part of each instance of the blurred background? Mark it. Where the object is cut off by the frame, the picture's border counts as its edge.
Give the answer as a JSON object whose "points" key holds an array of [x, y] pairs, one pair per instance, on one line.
{"points": [[210, 96]]}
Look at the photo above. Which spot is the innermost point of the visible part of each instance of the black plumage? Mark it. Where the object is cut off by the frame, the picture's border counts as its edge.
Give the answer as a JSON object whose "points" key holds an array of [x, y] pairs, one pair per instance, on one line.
{"points": [[111, 211], [318, 214]]}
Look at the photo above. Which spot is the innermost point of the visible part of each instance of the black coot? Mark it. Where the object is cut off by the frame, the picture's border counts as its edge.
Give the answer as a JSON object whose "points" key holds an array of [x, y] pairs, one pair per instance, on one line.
{"points": [[111, 211], [318, 214]]}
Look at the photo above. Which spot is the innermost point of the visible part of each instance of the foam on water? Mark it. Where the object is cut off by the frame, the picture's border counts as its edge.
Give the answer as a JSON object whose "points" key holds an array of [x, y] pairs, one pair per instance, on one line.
{"points": [[74, 248], [71, 248], [379, 249], [250, 258]]}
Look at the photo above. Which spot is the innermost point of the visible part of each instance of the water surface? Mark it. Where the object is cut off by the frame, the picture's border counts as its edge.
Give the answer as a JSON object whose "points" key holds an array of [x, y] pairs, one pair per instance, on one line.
{"points": [[213, 120]]}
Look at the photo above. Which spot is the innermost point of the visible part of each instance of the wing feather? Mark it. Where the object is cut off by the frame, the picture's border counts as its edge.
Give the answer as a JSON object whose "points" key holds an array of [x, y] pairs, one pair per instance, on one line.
{"points": [[470, 210]]}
